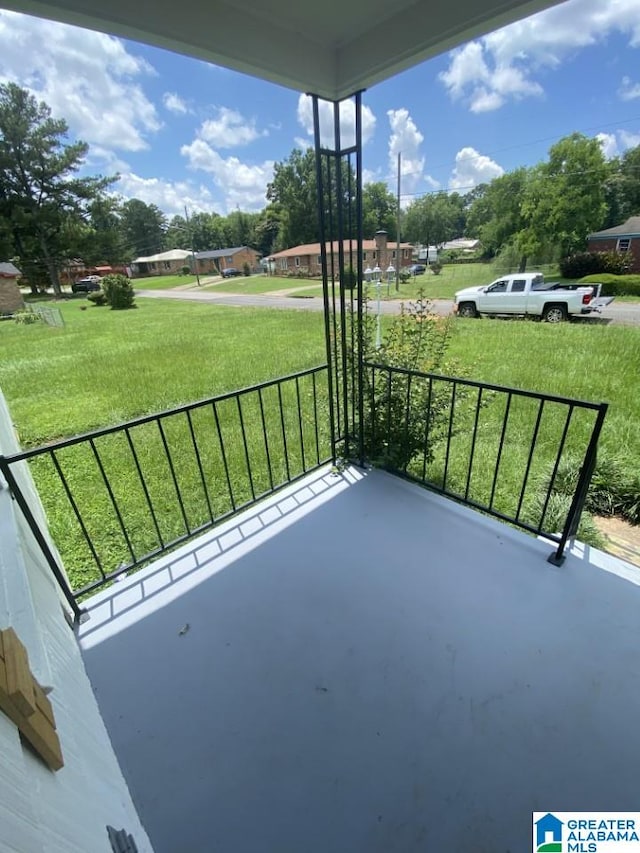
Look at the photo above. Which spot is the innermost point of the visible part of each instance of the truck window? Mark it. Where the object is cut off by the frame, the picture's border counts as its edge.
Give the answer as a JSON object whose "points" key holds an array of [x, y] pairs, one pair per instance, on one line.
{"points": [[518, 285], [498, 287]]}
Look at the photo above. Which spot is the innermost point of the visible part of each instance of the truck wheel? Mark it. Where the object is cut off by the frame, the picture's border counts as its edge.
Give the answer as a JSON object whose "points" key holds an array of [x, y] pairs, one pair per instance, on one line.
{"points": [[554, 313], [467, 309]]}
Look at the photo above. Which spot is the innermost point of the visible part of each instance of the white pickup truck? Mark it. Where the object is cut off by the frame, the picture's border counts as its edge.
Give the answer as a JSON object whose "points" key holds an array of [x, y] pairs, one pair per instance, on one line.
{"points": [[529, 294]]}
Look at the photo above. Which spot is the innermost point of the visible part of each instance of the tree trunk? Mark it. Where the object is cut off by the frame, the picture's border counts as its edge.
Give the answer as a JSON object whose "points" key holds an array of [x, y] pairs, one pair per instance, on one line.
{"points": [[51, 266], [523, 263]]}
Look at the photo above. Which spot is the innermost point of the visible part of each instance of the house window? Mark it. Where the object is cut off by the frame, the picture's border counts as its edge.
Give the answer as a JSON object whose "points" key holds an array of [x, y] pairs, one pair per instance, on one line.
{"points": [[229, 260], [364, 256], [623, 244], [374, 255], [284, 264], [167, 265], [152, 266], [405, 253], [297, 262], [393, 254]]}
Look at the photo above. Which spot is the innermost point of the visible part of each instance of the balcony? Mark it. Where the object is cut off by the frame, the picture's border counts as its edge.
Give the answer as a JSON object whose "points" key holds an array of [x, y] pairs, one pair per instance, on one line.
{"points": [[357, 664]]}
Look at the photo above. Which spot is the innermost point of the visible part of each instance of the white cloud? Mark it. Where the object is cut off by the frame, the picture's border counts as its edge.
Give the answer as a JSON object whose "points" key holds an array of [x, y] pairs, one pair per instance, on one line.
{"points": [[473, 168], [629, 91], [608, 143], [489, 72], [405, 139], [301, 143], [169, 196], [347, 121], [175, 104], [243, 185], [230, 129], [628, 139], [87, 78]]}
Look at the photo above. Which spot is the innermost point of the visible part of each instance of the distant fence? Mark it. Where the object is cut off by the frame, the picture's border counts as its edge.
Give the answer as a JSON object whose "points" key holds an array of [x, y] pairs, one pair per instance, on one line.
{"points": [[52, 316]]}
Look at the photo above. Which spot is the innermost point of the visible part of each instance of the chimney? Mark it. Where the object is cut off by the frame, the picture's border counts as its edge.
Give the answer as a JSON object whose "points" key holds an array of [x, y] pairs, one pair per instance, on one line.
{"points": [[381, 242]]}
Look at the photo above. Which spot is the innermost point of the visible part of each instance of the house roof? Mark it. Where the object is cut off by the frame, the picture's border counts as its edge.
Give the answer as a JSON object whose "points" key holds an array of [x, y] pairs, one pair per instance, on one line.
{"points": [[171, 255], [314, 248], [223, 253], [630, 228], [7, 270], [325, 48], [461, 243]]}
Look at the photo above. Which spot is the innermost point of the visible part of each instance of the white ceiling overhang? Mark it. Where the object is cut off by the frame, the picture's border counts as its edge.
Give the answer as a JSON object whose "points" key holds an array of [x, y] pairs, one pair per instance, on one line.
{"points": [[329, 47]]}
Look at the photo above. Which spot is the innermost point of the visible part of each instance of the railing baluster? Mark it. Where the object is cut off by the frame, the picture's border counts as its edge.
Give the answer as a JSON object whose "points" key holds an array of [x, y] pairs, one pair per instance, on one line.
{"points": [[144, 485], [173, 474], [555, 467], [373, 407], [199, 461], [113, 499], [246, 448], [284, 433], [449, 433], [315, 417], [406, 424], [502, 435], [304, 464], [427, 427], [473, 442], [266, 437], [534, 438], [223, 453], [74, 506], [389, 390]]}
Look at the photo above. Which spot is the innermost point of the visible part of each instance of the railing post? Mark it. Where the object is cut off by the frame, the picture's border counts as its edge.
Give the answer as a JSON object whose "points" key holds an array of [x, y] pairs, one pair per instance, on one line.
{"points": [[79, 614], [580, 495]]}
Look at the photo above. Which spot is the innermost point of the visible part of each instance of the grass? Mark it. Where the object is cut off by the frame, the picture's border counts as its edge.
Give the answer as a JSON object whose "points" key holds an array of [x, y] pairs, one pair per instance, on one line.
{"points": [[163, 282], [105, 367], [254, 284]]}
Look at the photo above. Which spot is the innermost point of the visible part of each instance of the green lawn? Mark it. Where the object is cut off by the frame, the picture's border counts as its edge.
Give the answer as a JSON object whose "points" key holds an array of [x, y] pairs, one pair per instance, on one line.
{"points": [[105, 367], [254, 284], [163, 282]]}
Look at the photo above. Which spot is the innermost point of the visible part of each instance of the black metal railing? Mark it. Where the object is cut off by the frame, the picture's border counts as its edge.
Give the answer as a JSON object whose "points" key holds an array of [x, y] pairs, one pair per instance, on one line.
{"points": [[118, 497], [523, 457]]}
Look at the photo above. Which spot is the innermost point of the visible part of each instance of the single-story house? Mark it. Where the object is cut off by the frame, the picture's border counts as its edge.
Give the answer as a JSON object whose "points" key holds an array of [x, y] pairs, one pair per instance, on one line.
{"points": [[216, 260], [620, 238], [163, 263], [462, 244], [306, 259], [10, 296]]}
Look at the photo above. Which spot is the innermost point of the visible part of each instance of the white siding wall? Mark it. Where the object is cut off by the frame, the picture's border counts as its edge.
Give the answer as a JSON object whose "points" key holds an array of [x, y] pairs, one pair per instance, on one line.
{"points": [[41, 811]]}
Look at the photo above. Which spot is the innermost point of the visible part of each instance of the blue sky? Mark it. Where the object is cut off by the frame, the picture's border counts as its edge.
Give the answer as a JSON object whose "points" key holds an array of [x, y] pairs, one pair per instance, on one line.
{"points": [[181, 131]]}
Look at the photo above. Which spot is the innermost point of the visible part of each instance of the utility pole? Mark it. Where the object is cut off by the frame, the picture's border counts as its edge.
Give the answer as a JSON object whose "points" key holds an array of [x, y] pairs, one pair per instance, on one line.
{"points": [[193, 252], [398, 228]]}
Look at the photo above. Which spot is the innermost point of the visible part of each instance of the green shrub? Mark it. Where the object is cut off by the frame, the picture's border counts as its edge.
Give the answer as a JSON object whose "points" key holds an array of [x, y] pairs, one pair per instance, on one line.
{"points": [[350, 278], [25, 317], [118, 292], [436, 267], [592, 263], [615, 285], [97, 297], [185, 270], [246, 269]]}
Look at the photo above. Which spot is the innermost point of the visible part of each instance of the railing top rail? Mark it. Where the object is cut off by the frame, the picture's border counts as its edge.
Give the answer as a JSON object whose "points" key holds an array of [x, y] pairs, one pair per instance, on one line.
{"points": [[535, 395], [145, 419]]}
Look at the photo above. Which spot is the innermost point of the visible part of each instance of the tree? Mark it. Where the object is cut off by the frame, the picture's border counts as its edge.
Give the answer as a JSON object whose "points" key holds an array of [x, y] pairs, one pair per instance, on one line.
{"points": [[143, 228], [434, 219], [40, 196], [379, 210], [495, 215], [564, 199], [622, 188]]}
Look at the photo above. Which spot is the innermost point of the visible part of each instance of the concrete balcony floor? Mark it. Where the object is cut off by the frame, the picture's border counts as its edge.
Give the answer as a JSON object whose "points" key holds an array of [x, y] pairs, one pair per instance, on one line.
{"points": [[357, 665]]}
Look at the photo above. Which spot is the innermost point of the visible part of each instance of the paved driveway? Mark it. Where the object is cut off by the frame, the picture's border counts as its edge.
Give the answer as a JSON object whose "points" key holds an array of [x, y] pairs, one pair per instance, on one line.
{"points": [[622, 313]]}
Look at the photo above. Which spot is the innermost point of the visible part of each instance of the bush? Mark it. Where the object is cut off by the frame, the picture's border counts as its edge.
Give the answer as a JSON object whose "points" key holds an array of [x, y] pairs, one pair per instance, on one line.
{"points": [[185, 270], [592, 263], [25, 317], [436, 267], [246, 269], [118, 292], [97, 297], [615, 285], [350, 278]]}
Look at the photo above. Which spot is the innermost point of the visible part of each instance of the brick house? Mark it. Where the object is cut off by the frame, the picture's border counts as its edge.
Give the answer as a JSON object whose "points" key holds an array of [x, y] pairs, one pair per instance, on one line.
{"points": [[10, 297], [216, 260], [620, 238], [163, 263], [306, 259]]}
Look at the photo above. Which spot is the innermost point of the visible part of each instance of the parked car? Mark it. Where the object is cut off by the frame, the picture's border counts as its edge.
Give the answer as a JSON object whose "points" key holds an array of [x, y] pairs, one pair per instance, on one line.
{"points": [[230, 272], [87, 284], [417, 269]]}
